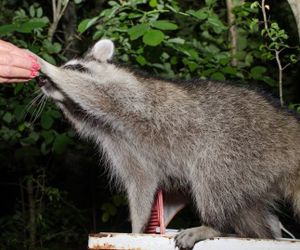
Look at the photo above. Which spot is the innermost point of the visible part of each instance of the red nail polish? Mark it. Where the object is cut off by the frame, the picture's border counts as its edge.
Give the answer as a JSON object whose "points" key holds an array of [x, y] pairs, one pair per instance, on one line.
{"points": [[35, 66], [34, 73]]}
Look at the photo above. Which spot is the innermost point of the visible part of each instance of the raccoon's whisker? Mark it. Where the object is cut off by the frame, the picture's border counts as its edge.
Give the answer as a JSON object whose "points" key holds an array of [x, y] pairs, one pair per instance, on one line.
{"points": [[37, 104], [40, 109], [37, 91], [31, 104], [33, 101]]}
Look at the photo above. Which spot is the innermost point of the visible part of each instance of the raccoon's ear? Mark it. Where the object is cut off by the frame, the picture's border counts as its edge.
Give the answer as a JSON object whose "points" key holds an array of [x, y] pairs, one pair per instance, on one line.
{"points": [[103, 50]]}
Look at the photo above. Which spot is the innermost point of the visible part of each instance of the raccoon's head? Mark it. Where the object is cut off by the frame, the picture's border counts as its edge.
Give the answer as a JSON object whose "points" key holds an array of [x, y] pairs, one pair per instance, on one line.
{"points": [[89, 89], [78, 78]]}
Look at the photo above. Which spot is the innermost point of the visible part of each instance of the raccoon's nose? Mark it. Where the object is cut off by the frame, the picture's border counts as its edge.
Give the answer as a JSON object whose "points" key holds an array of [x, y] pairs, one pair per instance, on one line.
{"points": [[41, 80]]}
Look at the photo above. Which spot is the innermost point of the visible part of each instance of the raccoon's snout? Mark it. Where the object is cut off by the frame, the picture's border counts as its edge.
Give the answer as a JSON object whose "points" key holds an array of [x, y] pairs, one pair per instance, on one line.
{"points": [[42, 80]]}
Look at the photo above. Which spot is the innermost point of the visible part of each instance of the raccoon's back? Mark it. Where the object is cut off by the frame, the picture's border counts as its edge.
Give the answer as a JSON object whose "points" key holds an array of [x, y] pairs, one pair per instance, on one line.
{"points": [[219, 120], [249, 118]]}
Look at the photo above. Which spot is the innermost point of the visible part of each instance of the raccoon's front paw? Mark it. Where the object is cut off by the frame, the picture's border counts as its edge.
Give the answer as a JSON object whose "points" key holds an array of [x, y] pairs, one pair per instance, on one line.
{"points": [[187, 238]]}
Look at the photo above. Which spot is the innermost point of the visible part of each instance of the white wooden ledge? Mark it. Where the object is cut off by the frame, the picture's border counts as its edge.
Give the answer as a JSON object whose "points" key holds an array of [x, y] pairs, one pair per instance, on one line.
{"points": [[158, 242]]}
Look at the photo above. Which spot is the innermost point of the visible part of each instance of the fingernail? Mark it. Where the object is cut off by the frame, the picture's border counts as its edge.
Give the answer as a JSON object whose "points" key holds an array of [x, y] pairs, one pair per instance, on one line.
{"points": [[36, 66], [34, 73]]}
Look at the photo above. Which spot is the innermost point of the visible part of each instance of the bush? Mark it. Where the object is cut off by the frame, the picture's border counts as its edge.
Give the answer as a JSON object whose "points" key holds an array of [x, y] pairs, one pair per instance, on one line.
{"points": [[40, 154]]}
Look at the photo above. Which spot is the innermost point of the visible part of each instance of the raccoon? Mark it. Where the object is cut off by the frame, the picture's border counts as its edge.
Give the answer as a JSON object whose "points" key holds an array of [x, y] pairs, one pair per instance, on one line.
{"points": [[235, 151]]}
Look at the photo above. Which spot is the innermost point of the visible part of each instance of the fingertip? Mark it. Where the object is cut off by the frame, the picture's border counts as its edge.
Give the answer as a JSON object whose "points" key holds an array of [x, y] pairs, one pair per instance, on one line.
{"points": [[34, 64], [34, 73]]}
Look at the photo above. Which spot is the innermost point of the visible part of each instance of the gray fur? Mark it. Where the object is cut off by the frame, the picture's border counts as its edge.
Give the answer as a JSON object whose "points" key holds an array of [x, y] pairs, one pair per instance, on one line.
{"points": [[235, 151]]}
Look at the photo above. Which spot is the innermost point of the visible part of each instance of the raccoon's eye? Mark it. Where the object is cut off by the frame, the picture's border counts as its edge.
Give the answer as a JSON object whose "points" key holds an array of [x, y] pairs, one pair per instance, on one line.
{"points": [[76, 67]]}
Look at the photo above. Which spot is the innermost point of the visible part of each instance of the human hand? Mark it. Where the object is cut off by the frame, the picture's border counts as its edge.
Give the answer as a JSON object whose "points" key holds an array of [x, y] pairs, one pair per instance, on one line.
{"points": [[16, 65]]}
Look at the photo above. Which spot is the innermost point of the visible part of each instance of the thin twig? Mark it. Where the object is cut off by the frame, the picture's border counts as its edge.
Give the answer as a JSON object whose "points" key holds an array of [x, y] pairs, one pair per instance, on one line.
{"points": [[276, 52], [232, 31], [263, 9], [58, 9]]}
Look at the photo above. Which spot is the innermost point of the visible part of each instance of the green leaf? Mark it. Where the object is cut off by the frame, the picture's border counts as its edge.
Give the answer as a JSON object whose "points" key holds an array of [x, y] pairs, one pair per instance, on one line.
{"points": [[230, 70], [8, 28], [192, 53], [141, 60], [44, 149], [32, 24], [105, 217], [177, 40], [192, 66], [254, 5], [56, 48], [48, 136], [153, 37], [109, 208], [270, 81], [49, 58], [258, 71], [39, 12], [19, 111], [31, 11], [200, 14], [7, 117], [55, 113], [242, 42], [153, 3], [46, 121], [216, 24], [87, 23], [138, 30], [164, 25], [208, 72], [31, 139], [118, 200], [249, 59], [60, 143], [210, 2], [112, 3], [52, 48], [218, 76]]}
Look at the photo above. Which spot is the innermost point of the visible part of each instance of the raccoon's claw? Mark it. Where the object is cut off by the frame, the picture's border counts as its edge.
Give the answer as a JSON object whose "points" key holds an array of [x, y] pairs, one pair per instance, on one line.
{"points": [[186, 239]]}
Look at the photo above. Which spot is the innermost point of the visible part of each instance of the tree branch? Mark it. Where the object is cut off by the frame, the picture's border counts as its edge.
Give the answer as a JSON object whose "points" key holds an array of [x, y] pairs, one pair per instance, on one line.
{"points": [[277, 53], [232, 31], [58, 8]]}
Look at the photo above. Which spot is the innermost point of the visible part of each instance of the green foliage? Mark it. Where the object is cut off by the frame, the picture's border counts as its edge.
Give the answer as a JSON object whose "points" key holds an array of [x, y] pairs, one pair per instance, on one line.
{"points": [[170, 38], [110, 208]]}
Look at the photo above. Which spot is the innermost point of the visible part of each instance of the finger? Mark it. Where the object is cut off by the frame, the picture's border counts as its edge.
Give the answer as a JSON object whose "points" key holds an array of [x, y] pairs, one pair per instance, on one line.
{"points": [[18, 61], [8, 47], [12, 80], [15, 60], [15, 72]]}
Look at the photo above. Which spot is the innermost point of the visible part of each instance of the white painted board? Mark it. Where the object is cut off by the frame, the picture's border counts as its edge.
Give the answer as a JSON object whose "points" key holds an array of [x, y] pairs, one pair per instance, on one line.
{"points": [[161, 242]]}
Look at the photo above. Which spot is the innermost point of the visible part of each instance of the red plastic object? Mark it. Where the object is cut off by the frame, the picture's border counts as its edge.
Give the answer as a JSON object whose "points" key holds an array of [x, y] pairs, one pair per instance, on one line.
{"points": [[156, 222]]}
